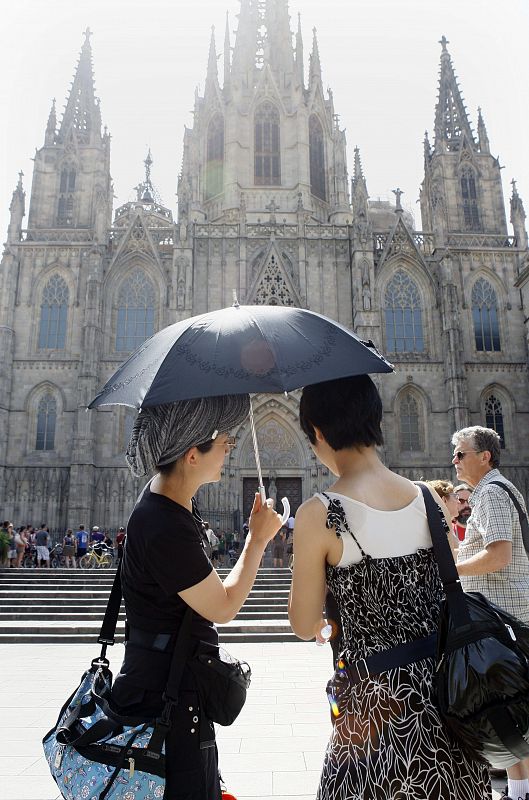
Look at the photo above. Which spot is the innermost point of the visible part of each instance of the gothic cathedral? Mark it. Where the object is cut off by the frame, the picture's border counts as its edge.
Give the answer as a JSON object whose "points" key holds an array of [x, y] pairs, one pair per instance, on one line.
{"points": [[265, 209]]}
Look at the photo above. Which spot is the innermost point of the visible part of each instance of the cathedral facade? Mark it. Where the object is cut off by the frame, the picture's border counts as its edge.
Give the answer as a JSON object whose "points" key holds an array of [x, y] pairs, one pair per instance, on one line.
{"points": [[266, 210]]}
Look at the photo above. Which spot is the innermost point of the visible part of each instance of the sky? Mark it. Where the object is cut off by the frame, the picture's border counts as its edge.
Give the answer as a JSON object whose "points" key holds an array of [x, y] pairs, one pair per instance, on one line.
{"points": [[380, 57]]}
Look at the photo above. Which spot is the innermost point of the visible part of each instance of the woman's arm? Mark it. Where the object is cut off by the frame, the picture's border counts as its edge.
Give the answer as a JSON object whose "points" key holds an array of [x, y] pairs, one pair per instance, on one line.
{"points": [[220, 602], [307, 593]]}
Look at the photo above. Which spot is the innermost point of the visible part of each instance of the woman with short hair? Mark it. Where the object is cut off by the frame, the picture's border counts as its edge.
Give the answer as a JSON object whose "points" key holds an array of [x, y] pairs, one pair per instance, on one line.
{"points": [[367, 539]]}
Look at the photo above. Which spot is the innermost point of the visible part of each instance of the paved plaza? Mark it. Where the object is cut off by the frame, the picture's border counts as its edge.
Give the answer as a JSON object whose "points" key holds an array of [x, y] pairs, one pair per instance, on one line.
{"points": [[274, 751]]}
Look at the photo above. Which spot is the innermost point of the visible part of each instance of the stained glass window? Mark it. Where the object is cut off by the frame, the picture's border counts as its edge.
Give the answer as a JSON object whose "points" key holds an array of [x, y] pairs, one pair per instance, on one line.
{"points": [[403, 313], [66, 189], [46, 421], [470, 200], [317, 158], [54, 314], [485, 316], [215, 156], [494, 417], [410, 428], [267, 146], [135, 312]]}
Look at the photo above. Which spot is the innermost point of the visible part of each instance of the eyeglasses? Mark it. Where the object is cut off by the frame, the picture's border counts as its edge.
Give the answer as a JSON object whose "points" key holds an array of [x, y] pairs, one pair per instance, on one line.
{"points": [[462, 501], [460, 454], [230, 442]]}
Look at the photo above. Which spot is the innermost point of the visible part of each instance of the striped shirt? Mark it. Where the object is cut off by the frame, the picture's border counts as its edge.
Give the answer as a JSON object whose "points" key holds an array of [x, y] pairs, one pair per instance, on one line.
{"points": [[495, 519]]}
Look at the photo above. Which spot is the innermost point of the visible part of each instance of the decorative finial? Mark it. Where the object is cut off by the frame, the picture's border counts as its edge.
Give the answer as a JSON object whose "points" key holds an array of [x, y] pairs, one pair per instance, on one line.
{"points": [[87, 35], [443, 41], [514, 189], [235, 301], [148, 165], [398, 193], [21, 175]]}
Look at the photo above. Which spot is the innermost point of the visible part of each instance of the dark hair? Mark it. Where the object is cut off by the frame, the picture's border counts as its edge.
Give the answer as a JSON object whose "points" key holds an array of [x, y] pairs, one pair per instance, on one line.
{"points": [[348, 411], [165, 469]]}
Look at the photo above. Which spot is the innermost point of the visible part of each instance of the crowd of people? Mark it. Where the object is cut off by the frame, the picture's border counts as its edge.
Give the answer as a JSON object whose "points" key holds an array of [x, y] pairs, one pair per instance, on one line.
{"points": [[30, 546]]}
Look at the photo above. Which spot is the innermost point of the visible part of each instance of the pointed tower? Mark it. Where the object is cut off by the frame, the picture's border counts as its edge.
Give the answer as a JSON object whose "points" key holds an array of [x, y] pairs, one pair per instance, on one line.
{"points": [[264, 136], [359, 201], [462, 190], [227, 55], [315, 64], [71, 175]]}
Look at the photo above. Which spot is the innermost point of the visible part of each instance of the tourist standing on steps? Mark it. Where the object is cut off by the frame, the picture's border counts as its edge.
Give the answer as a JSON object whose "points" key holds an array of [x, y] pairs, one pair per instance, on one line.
{"points": [[81, 539], [165, 570], [68, 549], [492, 559], [367, 539], [42, 540]]}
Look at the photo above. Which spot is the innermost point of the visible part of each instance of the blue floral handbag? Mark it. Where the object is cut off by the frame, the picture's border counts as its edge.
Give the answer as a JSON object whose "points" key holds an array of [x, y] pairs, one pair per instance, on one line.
{"points": [[96, 754]]}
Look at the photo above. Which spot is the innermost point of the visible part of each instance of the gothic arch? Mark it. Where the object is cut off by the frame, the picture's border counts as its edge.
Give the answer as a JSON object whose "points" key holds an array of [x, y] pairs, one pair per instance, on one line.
{"points": [[410, 407], [469, 197], [214, 155], [495, 402], [404, 303], [39, 395], [318, 174], [54, 277], [130, 269], [267, 144], [485, 309], [271, 280]]}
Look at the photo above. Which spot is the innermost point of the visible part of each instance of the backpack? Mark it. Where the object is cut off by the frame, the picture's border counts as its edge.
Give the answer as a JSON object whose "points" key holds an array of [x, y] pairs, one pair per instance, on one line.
{"points": [[482, 672]]}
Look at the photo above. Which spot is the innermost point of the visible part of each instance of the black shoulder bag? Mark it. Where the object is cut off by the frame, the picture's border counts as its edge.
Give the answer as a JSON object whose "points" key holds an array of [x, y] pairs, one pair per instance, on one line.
{"points": [[93, 745], [482, 673]]}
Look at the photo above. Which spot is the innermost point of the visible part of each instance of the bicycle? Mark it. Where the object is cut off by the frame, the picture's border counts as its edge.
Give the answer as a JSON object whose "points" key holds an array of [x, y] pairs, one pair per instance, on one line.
{"points": [[95, 560]]}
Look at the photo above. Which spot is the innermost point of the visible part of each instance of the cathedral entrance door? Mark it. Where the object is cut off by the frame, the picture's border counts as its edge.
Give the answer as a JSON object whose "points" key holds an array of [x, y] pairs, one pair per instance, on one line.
{"points": [[286, 487]]}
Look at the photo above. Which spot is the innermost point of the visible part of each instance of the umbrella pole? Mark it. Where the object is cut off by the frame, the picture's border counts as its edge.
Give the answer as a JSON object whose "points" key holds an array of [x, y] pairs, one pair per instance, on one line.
{"points": [[262, 493], [260, 488]]}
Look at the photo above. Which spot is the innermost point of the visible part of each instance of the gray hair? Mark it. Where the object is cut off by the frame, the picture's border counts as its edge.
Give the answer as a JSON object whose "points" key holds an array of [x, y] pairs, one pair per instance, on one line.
{"points": [[162, 434], [481, 439]]}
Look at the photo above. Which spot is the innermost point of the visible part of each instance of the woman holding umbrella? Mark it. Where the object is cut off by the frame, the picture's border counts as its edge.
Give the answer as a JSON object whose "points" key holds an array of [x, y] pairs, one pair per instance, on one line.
{"points": [[165, 569], [367, 540]]}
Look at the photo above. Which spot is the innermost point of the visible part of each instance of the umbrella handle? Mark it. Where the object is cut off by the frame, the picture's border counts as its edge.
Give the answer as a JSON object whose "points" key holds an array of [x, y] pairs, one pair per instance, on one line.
{"points": [[284, 500]]}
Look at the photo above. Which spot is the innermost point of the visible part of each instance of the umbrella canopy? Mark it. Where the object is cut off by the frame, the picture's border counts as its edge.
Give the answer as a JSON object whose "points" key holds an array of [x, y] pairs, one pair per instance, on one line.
{"points": [[239, 350]]}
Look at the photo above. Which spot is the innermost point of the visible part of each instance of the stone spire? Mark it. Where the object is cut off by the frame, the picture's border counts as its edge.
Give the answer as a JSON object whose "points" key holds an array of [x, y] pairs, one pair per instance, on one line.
{"points": [[518, 217], [212, 78], [227, 53], [17, 211], [300, 68], [427, 152], [451, 119], [82, 115], [359, 200], [315, 65], [279, 52], [483, 138], [51, 127], [246, 42]]}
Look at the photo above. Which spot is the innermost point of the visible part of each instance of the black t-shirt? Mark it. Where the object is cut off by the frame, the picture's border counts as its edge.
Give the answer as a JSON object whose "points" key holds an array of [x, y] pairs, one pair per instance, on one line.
{"points": [[163, 555]]}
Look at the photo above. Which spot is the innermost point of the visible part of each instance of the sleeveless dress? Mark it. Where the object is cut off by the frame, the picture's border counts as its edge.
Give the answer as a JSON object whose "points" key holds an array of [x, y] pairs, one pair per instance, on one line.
{"points": [[388, 741]]}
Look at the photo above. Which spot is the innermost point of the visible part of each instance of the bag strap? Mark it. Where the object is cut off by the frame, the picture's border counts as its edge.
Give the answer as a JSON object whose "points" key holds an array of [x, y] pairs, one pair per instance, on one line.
{"points": [[445, 561], [524, 522]]}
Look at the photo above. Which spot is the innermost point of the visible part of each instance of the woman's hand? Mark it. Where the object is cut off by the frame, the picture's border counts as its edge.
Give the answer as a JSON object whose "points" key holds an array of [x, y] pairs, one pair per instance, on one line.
{"points": [[264, 521]]}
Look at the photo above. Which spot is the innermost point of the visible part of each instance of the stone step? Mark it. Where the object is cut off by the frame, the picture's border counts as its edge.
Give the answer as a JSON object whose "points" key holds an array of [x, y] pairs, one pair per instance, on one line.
{"points": [[77, 603], [92, 627], [33, 596], [81, 616], [73, 638]]}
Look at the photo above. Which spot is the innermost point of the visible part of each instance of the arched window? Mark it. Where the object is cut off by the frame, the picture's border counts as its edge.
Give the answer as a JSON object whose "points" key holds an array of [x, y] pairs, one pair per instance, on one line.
{"points": [[485, 316], [66, 191], [494, 417], [403, 313], [54, 314], [135, 317], [409, 424], [215, 156], [470, 200], [46, 421], [317, 158], [267, 165]]}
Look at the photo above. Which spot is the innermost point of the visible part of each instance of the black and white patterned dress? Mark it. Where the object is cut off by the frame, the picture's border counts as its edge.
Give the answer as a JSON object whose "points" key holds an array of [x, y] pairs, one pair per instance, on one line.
{"points": [[388, 742]]}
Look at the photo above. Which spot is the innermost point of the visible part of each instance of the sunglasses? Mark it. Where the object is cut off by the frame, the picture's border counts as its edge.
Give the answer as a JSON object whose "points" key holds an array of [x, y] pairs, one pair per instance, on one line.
{"points": [[460, 454], [462, 501]]}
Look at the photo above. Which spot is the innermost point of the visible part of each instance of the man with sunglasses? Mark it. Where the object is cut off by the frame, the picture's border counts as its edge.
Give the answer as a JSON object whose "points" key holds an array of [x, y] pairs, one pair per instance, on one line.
{"points": [[462, 493], [492, 559]]}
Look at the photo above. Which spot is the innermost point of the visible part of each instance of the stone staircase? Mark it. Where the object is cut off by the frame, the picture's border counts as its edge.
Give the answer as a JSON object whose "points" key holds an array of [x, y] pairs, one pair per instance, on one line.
{"points": [[62, 606]]}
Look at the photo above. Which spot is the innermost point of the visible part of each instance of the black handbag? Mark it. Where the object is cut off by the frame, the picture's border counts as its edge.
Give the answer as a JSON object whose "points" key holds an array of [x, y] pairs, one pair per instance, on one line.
{"points": [[482, 673]]}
